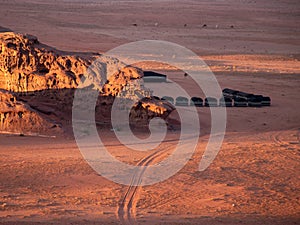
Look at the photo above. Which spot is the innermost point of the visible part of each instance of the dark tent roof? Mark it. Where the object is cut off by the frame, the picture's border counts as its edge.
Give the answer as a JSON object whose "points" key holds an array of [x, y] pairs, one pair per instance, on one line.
{"points": [[150, 76], [153, 74]]}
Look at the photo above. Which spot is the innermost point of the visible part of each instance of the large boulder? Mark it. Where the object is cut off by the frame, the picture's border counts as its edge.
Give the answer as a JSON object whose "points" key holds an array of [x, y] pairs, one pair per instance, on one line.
{"points": [[148, 108]]}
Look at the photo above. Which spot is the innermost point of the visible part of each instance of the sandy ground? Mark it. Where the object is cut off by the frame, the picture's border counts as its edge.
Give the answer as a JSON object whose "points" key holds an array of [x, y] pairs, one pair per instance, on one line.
{"points": [[264, 27], [255, 177]]}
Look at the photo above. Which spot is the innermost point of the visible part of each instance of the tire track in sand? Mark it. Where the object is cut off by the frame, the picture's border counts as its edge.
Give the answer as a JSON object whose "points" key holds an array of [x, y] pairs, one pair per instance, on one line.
{"points": [[126, 211], [285, 138]]}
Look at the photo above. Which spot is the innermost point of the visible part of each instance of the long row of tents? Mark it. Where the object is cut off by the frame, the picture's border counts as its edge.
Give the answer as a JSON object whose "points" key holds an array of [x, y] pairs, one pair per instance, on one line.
{"points": [[230, 98]]}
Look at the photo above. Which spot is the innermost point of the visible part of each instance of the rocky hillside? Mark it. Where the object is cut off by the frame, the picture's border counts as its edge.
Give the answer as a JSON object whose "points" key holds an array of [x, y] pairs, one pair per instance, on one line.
{"points": [[42, 80]]}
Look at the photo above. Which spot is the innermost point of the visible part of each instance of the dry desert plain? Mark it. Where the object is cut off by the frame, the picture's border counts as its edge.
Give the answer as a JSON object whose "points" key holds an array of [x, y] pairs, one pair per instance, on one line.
{"points": [[252, 46]]}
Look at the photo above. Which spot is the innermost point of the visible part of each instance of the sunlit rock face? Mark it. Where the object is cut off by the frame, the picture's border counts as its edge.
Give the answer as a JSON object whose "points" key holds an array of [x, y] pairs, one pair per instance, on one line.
{"points": [[27, 65], [38, 84], [148, 108]]}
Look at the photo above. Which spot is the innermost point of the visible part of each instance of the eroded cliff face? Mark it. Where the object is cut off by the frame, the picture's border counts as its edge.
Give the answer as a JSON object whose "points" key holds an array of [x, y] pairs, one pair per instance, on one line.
{"points": [[39, 84], [149, 108], [26, 65], [17, 116]]}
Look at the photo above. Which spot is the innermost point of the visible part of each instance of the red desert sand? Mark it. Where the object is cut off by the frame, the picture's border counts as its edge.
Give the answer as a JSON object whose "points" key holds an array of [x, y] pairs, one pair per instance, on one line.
{"points": [[252, 46]]}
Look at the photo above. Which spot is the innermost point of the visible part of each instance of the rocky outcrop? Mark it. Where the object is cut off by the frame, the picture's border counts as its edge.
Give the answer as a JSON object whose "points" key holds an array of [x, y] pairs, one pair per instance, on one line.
{"points": [[16, 116], [118, 81], [27, 65], [40, 81], [148, 108]]}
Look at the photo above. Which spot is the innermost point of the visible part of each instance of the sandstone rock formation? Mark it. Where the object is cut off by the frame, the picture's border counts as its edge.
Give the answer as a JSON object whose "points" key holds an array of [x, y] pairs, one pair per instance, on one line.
{"points": [[26, 65], [16, 116], [41, 82], [148, 108]]}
